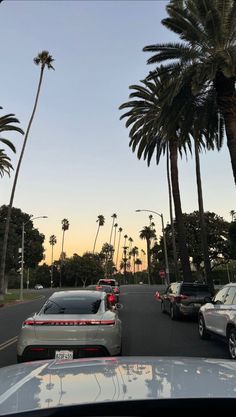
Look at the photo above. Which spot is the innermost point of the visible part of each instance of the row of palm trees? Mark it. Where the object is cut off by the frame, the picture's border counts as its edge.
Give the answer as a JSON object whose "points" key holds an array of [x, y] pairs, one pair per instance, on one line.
{"points": [[52, 241], [44, 60], [187, 103]]}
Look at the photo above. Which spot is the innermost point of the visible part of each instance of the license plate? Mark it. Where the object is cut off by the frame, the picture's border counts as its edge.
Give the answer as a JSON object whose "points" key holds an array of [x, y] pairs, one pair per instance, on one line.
{"points": [[64, 354]]}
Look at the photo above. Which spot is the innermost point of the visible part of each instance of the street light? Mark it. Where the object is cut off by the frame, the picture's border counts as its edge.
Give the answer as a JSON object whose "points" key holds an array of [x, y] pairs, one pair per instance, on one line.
{"points": [[164, 240], [22, 252]]}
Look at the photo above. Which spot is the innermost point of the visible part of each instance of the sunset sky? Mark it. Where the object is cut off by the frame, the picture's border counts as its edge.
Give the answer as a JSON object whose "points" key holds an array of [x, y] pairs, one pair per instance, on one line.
{"points": [[77, 163]]}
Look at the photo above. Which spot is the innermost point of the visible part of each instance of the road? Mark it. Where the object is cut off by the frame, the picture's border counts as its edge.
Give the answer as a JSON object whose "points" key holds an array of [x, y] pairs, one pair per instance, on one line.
{"points": [[146, 331]]}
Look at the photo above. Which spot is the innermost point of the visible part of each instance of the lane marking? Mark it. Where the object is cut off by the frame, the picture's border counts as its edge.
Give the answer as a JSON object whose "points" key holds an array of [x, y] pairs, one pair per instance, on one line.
{"points": [[8, 343]]}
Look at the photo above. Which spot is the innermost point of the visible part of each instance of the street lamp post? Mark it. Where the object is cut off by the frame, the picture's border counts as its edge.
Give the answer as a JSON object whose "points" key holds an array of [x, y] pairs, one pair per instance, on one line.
{"points": [[22, 252], [164, 241]]}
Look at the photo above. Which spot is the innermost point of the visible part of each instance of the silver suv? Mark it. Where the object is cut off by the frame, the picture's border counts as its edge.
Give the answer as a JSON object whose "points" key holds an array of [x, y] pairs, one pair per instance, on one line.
{"points": [[218, 317]]}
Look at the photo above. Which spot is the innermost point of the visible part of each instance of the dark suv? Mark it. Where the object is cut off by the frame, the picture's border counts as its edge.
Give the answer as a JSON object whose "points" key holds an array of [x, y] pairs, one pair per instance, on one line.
{"points": [[184, 298]]}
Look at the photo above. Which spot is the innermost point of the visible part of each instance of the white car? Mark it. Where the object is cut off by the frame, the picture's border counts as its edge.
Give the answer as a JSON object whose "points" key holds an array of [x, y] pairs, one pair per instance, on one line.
{"points": [[218, 317], [71, 324], [38, 287]]}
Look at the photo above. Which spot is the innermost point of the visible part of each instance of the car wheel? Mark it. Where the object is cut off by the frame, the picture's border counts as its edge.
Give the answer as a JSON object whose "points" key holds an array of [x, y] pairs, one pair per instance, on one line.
{"points": [[202, 328], [232, 343], [173, 313], [162, 307]]}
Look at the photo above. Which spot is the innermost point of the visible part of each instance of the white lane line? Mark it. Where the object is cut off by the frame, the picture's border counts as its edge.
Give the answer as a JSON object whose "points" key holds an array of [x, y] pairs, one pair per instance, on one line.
{"points": [[8, 343]]}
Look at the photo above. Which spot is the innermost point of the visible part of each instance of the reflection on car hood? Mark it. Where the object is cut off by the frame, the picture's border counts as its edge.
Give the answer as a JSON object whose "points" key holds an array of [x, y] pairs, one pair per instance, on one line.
{"points": [[44, 384]]}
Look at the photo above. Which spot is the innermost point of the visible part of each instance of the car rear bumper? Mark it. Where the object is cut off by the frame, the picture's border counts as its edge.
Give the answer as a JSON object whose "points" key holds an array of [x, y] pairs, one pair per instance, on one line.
{"points": [[43, 352], [189, 310]]}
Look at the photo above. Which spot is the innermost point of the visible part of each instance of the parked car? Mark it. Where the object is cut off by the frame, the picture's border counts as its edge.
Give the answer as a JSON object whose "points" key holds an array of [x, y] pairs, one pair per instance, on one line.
{"points": [[71, 324], [38, 287], [183, 298], [218, 317], [109, 281], [112, 297]]}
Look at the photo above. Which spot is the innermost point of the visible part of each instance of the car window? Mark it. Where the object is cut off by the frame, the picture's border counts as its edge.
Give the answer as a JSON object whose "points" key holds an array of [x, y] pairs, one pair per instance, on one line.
{"points": [[220, 296], [230, 296], [194, 290], [73, 305]]}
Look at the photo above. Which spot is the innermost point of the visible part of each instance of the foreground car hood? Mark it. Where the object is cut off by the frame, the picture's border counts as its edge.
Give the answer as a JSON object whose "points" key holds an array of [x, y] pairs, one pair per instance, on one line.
{"points": [[45, 384]]}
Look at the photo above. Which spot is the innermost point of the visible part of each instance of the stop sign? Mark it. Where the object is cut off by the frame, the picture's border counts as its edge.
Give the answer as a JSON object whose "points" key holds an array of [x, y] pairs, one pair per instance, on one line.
{"points": [[162, 274]]}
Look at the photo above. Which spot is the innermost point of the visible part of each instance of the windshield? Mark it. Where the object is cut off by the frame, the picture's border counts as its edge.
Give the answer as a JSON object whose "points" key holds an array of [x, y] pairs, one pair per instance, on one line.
{"points": [[118, 175]]}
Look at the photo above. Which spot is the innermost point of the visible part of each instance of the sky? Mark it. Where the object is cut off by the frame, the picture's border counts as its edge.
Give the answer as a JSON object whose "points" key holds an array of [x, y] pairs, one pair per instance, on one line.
{"points": [[77, 163]]}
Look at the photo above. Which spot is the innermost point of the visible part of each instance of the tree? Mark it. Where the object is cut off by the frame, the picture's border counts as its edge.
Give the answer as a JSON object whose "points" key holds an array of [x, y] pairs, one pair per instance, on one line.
{"points": [[134, 252], [83, 270], [106, 257], [118, 248], [52, 242], [232, 237], [34, 250], [114, 243], [149, 133], [65, 226], [6, 125], [206, 57], [114, 216], [44, 59], [101, 222], [232, 214], [217, 235], [147, 233]]}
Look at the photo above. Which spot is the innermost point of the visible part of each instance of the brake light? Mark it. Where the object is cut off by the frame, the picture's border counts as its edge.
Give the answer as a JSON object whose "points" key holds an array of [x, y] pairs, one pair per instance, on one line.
{"points": [[69, 322], [111, 298], [183, 297], [28, 323], [157, 295]]}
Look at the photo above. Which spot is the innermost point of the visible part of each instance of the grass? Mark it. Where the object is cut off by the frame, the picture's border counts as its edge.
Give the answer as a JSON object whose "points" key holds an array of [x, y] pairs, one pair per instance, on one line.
{"points": [[14, 296]]}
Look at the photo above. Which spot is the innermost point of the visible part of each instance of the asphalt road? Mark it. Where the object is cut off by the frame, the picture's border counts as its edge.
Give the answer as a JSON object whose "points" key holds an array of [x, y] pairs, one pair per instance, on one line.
{"points": [[146, 331]]}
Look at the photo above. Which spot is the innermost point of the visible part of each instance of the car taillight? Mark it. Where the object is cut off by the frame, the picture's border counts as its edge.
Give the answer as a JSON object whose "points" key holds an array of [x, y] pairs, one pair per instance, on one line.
{"points": [[68, 322], [111, 298], [28, 323]]}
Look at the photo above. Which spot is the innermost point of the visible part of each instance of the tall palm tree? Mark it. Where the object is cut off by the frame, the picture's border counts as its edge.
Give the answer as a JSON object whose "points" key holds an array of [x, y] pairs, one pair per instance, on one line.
{"points": [[149, 135], [148, 234], [118, 248], [45, 60], [114, 243], [100, 220], [206, 56], [114, 216], [125, 239], [143, 254], [52, 242], [130, 243], [5, 164], [138, 262], [65, 226]]}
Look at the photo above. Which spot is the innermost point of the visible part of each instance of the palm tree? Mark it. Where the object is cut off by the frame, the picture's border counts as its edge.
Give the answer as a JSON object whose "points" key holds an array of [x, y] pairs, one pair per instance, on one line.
{"points": [[149, 135], [5, 164], [118, 248], [232, 214], [52, 242], [147, 233], [65, 227], [45, 60], [101, 221], [206, 58], [138, 262], [143, 254], [114, 243], [114, 216], [125, 237], [130, 243], [134, 252]]}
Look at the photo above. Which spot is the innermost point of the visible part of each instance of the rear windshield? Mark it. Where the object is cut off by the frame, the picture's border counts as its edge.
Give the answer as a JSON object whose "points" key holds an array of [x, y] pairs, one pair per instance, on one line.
{"points": [[106, 289], [194, 289], [73, 305], [107, 282]]}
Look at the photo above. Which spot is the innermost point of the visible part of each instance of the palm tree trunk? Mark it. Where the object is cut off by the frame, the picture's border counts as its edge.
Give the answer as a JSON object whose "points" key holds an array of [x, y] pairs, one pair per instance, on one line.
{"points": [[148, 261], [111, 230], [207, 265], [226, 99], [51, 268], [62, 255], [3, 279], [176, 269], [118, 249], [187, 274], [114, 244], [96, 238]]}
